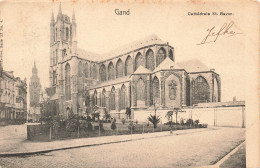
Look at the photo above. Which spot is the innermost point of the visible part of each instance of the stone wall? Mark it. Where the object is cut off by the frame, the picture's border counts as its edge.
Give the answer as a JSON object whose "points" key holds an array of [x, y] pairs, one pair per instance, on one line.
{"points": [[215, 116]]}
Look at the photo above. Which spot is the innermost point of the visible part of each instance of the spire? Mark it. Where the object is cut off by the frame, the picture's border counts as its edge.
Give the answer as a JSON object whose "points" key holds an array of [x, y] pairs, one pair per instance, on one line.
{"points": [[34, 69], [73, 15], [60, 8], [52, 16]]}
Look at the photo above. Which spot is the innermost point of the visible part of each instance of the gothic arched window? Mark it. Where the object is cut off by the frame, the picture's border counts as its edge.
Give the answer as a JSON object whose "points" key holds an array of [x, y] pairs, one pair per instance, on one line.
{"points": [[111, 71], [160, 56], [90, 71], [112, 99], [56, 35], [150, 59], [54, 77], [95, 98], [140, 92], [156, 89], [102, 72], [200, 90], [119, 68], [103, 99], [171, 55], [94, 72], [128, 66], [122, 98], [67, 33], [80, 69], [139, 60], [56, 56], [86, 70], [67, 82]]}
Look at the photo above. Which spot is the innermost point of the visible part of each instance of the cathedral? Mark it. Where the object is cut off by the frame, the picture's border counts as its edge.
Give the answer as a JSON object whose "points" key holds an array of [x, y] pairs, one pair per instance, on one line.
{"points": [[140, 75]]}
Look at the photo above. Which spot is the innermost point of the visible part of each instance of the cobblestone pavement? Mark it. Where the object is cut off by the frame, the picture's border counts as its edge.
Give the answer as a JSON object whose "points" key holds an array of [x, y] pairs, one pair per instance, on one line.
{"points": [[185, 150]]}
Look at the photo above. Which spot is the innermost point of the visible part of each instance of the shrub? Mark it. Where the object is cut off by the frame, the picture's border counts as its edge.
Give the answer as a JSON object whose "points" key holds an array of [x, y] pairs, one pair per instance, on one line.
{"points": [[113, 125], [88, 118], [132, 126], [107, 116], [123, 121], [196, 123], [154, 120], [189, 122], [71, 123], [182, 121], [83, 124], [90, 126]]}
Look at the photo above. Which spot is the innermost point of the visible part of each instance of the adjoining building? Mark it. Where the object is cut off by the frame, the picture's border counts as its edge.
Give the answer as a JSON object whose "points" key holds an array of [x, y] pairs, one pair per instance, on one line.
{"points": [[35, 89], [13, 102], [138, 75]]}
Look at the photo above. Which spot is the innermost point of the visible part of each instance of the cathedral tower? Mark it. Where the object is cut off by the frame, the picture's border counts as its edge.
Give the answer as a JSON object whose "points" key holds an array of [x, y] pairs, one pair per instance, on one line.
{"points": [[63, 44], [63, 49], [35, 88]]}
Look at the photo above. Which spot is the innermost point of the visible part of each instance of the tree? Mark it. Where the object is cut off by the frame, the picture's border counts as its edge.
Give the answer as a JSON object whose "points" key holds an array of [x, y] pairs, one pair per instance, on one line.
{"points": [[154, 120], [71, 123]]}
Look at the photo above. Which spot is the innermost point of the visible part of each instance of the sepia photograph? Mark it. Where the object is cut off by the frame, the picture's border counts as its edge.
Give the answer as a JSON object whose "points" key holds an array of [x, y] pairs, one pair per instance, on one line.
{"points": [[129, 84]]}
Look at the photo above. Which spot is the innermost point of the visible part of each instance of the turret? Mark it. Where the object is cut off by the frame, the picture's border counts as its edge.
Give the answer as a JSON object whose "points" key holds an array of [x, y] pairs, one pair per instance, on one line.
{"points": [[52, 30], [34, 70], [74, 34], [59, 17]]}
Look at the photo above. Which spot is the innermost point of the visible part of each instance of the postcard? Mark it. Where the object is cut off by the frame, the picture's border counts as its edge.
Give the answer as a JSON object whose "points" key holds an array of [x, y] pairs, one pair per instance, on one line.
{"points": [[129, 83]]}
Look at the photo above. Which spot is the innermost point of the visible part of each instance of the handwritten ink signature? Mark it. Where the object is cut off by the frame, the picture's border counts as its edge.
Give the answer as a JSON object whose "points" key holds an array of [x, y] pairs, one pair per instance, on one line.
{"points": [[213, 35]]}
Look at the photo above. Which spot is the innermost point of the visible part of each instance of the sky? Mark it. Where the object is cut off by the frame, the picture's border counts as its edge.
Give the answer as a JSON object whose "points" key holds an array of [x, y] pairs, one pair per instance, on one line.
{"points": [[100, 30]]}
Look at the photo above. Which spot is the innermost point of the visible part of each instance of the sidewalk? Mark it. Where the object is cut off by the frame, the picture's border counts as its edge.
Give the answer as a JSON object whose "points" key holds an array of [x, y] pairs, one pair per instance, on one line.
{"points": [[236, 160], [26, 147]]}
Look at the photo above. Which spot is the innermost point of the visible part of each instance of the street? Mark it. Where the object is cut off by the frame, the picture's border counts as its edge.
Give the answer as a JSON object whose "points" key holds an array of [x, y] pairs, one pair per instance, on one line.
{"points": [[185, 150]]}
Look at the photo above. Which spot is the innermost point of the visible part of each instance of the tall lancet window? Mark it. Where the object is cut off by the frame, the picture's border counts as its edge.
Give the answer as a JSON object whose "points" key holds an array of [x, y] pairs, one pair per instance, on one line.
{"points": [[67, 33], [112, 99], [56, 35], [67, 82], [160, 56], [141, 92]]}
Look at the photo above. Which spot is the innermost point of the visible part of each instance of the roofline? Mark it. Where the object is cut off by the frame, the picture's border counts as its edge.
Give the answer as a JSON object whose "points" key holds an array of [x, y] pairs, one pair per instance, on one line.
{"points": [[127, 53], [108, 85], [11, 77], [168, 70], [202, 72]]}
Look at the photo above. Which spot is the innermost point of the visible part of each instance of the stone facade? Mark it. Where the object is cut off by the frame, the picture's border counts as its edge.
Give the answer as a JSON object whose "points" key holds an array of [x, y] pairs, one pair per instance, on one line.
{"points": [[13, 101], [138, 76]]}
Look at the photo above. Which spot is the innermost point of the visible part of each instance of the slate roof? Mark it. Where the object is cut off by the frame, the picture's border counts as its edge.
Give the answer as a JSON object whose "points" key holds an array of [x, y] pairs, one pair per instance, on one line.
{"points": [[150, 40], [142, 70], [167, 64], [193, 65], [112, 82]]}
